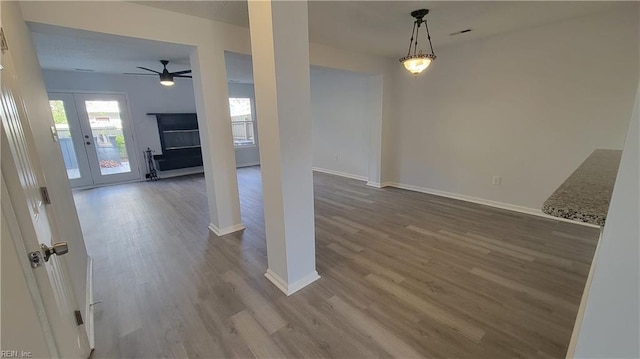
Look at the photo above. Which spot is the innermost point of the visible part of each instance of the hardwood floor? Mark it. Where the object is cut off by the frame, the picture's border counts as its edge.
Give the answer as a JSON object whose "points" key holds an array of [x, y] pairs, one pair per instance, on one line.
{"points": [[404, 274]]}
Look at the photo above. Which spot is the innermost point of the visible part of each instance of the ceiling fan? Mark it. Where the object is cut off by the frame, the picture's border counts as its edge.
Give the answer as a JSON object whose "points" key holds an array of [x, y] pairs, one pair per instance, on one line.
{"points": [[166, 77]]}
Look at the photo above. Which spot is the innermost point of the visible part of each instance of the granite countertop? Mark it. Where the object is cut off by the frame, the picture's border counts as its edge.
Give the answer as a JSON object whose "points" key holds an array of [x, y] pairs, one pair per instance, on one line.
{"points": [[585, 195]]}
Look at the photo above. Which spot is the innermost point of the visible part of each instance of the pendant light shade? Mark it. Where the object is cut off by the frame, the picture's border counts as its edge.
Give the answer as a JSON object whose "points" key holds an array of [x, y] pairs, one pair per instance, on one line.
{"points": [[416, 65], [417, 61]]}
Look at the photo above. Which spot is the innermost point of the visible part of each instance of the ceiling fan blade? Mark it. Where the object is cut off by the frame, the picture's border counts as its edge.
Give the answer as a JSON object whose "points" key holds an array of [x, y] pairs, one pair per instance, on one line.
{"points": [[144, 68], [182, 76], [139, 74], [181, 72]]}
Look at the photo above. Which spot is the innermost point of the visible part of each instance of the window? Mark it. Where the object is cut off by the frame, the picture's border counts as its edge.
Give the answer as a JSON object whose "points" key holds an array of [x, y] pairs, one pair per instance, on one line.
{"points": [[242, 122]]}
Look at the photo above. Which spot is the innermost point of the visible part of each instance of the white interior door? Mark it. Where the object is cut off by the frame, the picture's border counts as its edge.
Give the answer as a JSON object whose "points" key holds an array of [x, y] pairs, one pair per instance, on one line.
{"points": [[70, 138], [21, 197]]}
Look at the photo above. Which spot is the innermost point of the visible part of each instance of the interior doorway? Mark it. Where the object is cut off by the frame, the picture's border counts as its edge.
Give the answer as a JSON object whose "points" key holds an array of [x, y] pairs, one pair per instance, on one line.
{"points": [[95, 135], [246, 139]]}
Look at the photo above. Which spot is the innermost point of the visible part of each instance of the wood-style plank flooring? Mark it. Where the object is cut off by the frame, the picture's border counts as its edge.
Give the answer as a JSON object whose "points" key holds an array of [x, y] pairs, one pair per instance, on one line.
{"points": [[404, 274]]}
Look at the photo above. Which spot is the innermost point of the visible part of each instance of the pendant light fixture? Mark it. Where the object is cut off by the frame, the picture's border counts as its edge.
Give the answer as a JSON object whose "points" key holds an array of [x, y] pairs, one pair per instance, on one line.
{"points": [[417, 61]]}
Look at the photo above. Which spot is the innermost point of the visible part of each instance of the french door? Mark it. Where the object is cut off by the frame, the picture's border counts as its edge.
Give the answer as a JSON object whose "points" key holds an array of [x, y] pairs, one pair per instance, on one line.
{"points": [[94, 132]]}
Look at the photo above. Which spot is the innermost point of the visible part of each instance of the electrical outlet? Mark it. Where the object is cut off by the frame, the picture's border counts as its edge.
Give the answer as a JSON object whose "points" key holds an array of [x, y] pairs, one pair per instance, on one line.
{"points": [[496, 180]]}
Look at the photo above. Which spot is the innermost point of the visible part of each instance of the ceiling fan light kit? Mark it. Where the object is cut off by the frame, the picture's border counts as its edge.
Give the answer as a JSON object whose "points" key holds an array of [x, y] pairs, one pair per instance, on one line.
{"points": [[418, 61], [166, 77]]}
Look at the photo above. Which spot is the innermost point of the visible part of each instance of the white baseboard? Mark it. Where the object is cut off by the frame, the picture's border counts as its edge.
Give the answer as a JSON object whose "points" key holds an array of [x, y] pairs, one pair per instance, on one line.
{"points": [[100, 185], [249, 164], [486, 202], [180, 172], [88, 307], [289, 289], [223, 231], [341, 174], [378, 185]]}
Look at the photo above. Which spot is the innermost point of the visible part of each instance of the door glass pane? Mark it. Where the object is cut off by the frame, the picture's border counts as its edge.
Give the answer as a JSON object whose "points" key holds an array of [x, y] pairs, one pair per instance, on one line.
{"points": [[108, 138], [64, 139], [241, 122]]}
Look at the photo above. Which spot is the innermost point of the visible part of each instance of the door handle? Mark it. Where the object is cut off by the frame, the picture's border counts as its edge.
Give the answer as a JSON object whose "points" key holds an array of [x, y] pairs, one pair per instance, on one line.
{"points": [[58, 248]]}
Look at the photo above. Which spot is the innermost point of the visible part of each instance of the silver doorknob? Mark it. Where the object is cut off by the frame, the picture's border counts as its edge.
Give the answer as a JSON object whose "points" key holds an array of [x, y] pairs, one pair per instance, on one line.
{"points": [[58, 248]]}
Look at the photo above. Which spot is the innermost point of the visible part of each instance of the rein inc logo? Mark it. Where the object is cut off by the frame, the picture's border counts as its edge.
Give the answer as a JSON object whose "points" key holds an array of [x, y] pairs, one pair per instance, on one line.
{"points": [[15, 354]]}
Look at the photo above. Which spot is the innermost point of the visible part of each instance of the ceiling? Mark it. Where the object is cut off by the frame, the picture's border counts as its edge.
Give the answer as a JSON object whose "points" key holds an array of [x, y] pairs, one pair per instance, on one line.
{"points": [[70, 49], [76, 50], [381, 28]]}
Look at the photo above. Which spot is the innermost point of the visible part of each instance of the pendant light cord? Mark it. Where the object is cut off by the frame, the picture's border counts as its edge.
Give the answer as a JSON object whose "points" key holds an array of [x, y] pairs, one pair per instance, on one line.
{"points": [[415, 48], [415, 32], [411, 41], [426, 25]]}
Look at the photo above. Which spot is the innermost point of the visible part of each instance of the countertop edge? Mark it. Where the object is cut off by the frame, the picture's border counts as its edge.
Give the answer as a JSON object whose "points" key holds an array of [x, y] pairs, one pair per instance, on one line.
{"points": [[585, 195]]}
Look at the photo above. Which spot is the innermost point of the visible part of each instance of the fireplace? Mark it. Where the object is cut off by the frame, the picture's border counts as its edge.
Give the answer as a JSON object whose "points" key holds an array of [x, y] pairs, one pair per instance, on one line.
{"points": [[179, 139]]}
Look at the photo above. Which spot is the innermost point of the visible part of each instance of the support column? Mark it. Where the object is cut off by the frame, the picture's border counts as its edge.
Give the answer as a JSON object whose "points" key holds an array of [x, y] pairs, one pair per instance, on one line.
{"points": [[214, 123], [375, 106], [280, 50]]}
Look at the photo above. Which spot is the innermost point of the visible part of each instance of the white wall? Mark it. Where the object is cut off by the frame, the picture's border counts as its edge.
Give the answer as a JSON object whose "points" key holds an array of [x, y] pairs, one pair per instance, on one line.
{"points": [[610, 326], [145, 95], [340, 115], [342, 110], [528, 106]]}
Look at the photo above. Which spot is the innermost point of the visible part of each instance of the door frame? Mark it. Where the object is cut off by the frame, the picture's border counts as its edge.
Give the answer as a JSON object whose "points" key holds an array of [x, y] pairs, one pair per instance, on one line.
{"points": [[139, 163]]}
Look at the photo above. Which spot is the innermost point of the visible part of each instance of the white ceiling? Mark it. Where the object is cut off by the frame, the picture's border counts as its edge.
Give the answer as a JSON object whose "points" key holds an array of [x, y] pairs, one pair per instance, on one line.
{"points": [[70, 49], [381, 28], [76, 50]]}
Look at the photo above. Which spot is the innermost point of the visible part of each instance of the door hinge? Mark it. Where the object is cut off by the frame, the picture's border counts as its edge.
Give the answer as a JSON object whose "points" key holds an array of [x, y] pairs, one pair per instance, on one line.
{"points": [[3, 41], [78, 317], [45, 195]]}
